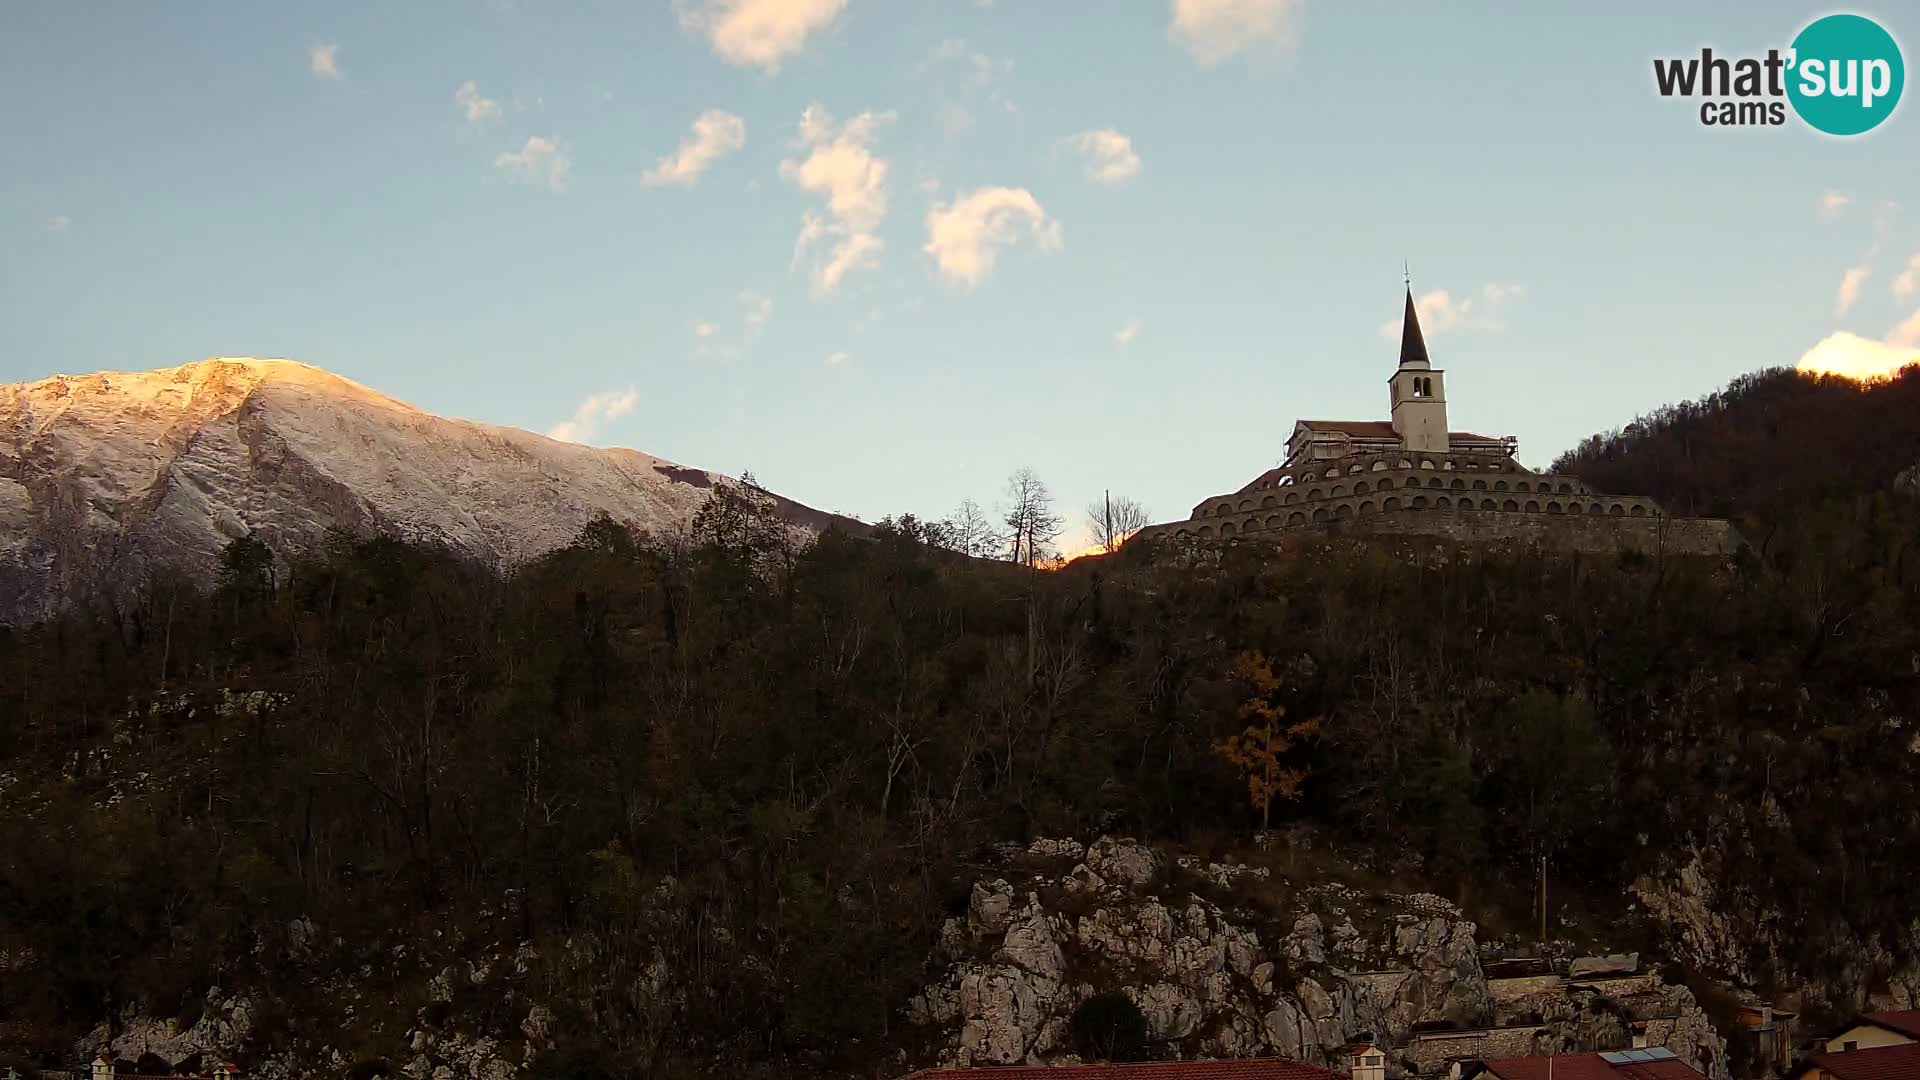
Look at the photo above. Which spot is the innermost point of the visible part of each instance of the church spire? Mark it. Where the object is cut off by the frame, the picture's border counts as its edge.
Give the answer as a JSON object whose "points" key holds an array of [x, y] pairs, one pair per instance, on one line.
{"points": [[1413, 347]]}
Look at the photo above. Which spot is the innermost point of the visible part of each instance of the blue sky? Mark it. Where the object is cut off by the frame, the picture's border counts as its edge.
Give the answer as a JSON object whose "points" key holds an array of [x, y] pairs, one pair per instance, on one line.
{"points": [[915, 245]]}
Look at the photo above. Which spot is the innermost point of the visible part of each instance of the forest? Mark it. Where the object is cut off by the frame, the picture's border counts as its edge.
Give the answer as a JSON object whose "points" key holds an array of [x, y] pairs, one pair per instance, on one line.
{"points": [[764, 765]]}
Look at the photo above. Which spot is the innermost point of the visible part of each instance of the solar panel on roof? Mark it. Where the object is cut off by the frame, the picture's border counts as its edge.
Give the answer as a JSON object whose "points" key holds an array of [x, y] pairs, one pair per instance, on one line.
{"points": [[1627, 1057]]}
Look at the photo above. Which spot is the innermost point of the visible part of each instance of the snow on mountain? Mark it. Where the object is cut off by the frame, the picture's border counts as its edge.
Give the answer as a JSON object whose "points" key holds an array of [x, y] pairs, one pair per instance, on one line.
{"points": [[108, 480]]}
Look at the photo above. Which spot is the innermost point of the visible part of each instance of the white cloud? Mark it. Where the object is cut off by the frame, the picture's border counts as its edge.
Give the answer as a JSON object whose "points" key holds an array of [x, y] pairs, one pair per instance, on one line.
{"points": [[837, 359], [979, 65], [1441, 312], [58, 223], [541, 161], [1213, 30], [716, 134], [323, 60], [840, 165], [477, 108], [1907, 282], [1127, 334], [757, 308], [1856, 357], [1833, 202], [593, 414], [1851, 283], [964, 236], [757, 33], [1109, 155], [704, 329]]}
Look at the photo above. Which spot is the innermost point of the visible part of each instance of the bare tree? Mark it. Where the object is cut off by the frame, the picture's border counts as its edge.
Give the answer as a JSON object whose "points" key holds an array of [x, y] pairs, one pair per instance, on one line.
{"points": [[1114, 520], [1032, 525], [968, 531]]}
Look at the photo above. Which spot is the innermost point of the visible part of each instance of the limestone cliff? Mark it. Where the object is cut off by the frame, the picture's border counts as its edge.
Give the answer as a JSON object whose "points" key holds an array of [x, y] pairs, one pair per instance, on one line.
{"points": [[1229, 960]]}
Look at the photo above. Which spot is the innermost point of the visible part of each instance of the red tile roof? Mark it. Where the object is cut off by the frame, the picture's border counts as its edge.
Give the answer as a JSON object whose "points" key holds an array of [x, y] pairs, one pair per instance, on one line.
{"points": [[1904, 1021], [1232, 1069], [1880, 1063], [1589, 1067], [1382, 429]]}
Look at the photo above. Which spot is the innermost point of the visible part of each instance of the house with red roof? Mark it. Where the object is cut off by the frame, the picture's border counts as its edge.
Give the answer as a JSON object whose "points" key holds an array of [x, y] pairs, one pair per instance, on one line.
{"points": [[1368, 1064], [1898, 1061], [1651, 1063], [1889, 1027]]}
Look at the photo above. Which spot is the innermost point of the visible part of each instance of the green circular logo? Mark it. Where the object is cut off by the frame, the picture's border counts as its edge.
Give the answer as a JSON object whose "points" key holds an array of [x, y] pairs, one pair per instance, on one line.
{"points": [[1846, 74]]}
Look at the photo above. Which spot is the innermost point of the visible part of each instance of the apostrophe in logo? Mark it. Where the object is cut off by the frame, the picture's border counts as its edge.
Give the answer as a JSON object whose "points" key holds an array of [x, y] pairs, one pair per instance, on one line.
{"points": [[1842, 74], [1847, 74]]}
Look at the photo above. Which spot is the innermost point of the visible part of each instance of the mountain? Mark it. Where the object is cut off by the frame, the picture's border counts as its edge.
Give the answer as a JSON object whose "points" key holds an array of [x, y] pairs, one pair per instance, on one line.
{"points": [[108, 480]]}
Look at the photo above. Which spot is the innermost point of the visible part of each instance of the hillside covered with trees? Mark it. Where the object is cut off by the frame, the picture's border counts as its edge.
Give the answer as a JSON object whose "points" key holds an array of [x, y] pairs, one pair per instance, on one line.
{"points": [[763, 767]]}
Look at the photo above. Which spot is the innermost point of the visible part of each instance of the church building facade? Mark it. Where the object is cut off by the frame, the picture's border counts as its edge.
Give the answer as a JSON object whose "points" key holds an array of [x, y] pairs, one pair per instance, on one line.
{"points": [[1412, 474]]}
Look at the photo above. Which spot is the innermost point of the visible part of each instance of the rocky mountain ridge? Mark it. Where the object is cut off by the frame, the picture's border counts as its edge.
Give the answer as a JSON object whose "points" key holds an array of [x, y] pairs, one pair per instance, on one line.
{"points": [[112, 480]]}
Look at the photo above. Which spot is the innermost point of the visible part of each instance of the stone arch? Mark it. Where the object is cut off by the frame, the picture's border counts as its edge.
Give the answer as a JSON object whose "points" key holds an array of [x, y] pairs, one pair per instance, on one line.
{"points": [[1554, 507], [1616, 510], [1226, 528], [1366, 508], [1404, 464], [1487, 504], [1360, 488], [1290, 498], [1314, 494], [1285, 480], [1459, 484], [1425, 463], [1639, 511], [1356, 468], [1181, 534], [1296, 518], [1385, 482], [1443, 503], [1273, 521], [1510, 505], [1223, 508], [1246, 504], [1320, 514], [1479, 485], [1268, 501], [1464, 504], [1521, 485], [1596, 508], [1392, 503], [1499, 485], [1206, 531], [1338, 490], [1566, 489], [1333, 473], [1434, 482], [1343, 511], [1380, 465], [1419, 502], [1533, 506]]}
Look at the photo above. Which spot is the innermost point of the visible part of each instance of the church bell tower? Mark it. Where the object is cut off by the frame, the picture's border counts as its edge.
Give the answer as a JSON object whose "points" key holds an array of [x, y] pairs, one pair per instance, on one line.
{"points": [[1419, 391]]}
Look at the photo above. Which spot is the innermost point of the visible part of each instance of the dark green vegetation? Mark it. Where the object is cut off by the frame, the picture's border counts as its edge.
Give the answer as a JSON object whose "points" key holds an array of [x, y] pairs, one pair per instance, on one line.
{"points": [[813, 743]]}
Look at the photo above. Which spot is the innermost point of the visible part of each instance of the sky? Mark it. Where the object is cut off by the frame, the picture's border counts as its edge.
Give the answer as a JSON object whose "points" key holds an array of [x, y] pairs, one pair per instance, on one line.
{"points": [[882, 253]]}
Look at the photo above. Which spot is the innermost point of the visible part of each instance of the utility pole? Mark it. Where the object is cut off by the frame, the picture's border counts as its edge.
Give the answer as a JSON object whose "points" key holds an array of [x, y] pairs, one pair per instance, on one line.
{"points": [[1106, 534], [1543, 902]]}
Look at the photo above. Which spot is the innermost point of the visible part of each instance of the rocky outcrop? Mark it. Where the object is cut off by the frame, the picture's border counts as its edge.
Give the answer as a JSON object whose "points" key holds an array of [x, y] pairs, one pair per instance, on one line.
{"points": [[1216, 974]]}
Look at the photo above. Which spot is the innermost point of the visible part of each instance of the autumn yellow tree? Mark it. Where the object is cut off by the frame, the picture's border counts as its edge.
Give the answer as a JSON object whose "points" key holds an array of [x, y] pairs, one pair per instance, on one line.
{"points": [[1260, 750]]}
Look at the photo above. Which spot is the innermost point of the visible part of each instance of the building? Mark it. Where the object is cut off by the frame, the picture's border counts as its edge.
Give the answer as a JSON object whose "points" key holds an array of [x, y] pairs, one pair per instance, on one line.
{"points": [[1653, 1063], [1891, 1027], [1897, 1061], [1227, 1069], [1413, 474]]}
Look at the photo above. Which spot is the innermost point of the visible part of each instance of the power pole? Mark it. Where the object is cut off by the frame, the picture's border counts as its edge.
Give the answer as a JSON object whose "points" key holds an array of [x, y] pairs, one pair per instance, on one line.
{"points": [[1543, 900], [1106, 535]]}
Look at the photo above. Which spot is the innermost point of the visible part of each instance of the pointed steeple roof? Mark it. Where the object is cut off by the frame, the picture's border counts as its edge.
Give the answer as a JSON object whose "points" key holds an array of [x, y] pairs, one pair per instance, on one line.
{"points": [[1413, 347]]}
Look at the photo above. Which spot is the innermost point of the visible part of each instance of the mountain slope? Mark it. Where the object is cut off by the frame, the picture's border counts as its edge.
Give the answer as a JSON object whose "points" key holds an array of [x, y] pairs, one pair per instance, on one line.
{"points": [[107, 480]]}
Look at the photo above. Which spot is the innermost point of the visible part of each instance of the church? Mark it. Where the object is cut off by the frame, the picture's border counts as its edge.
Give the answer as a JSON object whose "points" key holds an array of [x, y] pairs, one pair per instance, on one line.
{"points": [[1413, 474]]}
